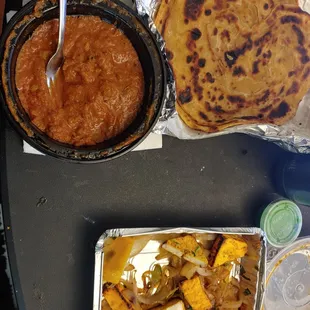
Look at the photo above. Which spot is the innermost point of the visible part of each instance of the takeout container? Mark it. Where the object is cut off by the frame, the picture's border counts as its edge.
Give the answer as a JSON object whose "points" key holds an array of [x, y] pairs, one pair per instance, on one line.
{"points": [[281, 221], [288, 278], [146, 258], [22, 25]]}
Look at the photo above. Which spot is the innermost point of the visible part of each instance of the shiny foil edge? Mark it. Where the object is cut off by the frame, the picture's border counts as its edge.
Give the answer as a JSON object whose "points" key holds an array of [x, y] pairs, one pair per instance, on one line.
{"points": [[147, 9], [291, 136], [126, 232]]}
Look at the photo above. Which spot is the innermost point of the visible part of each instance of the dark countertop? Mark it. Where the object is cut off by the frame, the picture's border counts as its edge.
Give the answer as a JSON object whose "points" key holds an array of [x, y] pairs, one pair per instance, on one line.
{"points": [[214, 182]]}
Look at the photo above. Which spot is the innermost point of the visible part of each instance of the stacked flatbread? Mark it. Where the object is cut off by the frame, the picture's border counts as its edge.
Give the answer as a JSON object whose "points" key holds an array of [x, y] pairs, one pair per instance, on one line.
{"points": [[236, 61]]}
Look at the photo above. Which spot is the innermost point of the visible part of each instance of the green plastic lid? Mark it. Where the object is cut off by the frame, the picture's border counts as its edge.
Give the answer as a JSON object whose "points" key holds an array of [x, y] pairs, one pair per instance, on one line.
{"points": [[282, 222]]}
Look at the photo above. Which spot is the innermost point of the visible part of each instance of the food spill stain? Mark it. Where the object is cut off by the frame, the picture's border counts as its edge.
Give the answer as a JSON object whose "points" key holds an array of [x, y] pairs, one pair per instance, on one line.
{"points": [[41, 202], [88, 219]]}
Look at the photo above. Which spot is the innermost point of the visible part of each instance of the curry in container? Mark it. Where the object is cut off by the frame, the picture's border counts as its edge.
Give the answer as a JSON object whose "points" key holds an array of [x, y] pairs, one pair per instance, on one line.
{"points": [[190, 272], [236, 62], [101, 81]]}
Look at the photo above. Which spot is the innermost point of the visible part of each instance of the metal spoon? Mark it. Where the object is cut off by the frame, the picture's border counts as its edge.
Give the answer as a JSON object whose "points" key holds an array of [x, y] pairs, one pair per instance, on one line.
{"points": [[57, 59]]}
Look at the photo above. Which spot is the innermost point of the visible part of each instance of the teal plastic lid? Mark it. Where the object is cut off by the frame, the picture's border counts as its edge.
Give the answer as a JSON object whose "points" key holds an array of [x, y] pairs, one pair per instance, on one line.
{"points": [[282, 222]]}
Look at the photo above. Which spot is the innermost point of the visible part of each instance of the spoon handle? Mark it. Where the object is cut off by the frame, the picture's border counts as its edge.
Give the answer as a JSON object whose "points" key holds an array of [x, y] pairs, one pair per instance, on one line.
{"points": [[62, 23]]}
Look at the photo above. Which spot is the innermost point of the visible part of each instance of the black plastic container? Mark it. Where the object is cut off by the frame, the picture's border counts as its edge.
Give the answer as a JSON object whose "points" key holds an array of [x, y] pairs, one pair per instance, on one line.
{"points": [[292, 178], [20, 29]]}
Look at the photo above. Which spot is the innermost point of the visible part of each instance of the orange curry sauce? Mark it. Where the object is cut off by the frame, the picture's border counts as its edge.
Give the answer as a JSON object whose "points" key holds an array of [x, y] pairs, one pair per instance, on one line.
{"points": [[102, 81]]}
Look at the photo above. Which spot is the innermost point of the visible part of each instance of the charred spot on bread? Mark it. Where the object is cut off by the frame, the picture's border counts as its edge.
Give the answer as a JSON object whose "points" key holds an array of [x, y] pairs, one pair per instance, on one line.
{"points": [[280, 111]]}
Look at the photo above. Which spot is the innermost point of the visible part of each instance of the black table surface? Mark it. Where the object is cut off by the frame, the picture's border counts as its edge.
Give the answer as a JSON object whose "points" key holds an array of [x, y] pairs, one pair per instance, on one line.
{"points": [[213, 182]]}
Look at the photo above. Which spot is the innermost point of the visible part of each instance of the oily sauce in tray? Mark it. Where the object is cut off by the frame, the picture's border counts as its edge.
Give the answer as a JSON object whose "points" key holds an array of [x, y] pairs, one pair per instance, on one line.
{"points": [[102, 81]]}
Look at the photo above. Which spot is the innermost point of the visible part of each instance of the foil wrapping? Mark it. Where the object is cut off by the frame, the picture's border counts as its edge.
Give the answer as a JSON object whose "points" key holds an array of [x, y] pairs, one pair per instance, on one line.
{"points": [[293, 136], [146, 258]]}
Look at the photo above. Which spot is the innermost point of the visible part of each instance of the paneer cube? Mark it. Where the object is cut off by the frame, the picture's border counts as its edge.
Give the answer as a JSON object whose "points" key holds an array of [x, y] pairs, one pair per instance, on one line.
{"points": [[195, 294], [188, 248], [188, 270], [114, 297], [175, 304], [227, 248]]}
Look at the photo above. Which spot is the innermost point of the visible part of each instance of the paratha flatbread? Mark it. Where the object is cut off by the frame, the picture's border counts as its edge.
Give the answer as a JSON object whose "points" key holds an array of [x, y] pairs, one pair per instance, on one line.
{"points": [[236, 61]]}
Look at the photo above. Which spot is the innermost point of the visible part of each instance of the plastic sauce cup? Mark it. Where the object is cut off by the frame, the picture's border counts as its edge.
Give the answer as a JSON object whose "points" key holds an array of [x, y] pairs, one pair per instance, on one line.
{"points": [[282, 221]]}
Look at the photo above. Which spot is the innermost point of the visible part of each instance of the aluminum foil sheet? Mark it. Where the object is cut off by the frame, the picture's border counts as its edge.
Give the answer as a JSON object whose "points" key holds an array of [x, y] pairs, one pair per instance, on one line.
{"points": [[146, 258], [293, 136]]}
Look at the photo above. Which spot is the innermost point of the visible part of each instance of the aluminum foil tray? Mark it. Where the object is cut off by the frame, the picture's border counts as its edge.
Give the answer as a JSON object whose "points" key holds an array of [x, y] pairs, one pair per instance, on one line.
{"points": [[146, 258]]}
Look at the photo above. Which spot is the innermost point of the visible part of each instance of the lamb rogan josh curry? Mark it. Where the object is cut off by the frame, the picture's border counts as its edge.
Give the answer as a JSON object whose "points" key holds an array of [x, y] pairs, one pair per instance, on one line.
{"points": [[102, 81]]}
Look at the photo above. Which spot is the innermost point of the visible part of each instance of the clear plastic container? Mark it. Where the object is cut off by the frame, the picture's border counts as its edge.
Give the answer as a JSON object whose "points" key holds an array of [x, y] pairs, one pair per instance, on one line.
{"points": [[288, 278]]}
